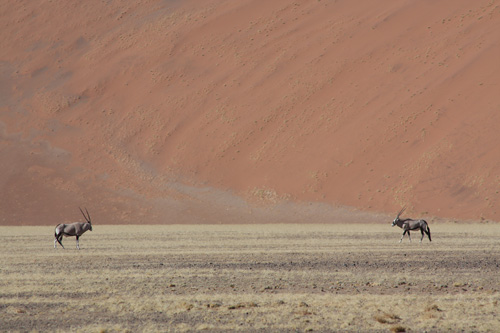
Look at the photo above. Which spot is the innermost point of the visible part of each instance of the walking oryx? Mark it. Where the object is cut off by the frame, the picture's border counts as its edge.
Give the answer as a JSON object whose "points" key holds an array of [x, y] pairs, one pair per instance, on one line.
{"points": [[409, 224], [72, 229]]}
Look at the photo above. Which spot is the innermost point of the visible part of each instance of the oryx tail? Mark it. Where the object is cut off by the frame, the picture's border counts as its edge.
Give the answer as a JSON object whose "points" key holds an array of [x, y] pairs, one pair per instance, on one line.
{"points": [[58, 236]]}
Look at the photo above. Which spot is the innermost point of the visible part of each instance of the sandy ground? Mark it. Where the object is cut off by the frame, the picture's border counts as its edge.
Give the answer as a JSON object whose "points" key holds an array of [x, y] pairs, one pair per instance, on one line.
{"points": [[111, 104], [251, 278]]}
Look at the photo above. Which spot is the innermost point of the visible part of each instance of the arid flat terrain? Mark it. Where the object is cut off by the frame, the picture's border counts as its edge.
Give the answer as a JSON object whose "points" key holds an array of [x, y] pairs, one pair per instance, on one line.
{"points": [[280, 277]]}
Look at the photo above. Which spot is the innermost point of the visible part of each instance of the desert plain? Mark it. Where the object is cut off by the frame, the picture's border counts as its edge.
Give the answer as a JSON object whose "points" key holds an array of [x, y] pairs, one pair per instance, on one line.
{"points": [[225, 278]]}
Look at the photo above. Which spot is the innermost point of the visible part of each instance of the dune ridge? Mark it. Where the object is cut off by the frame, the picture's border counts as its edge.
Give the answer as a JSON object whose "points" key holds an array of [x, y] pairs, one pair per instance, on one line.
{"points": [[151, 111]]}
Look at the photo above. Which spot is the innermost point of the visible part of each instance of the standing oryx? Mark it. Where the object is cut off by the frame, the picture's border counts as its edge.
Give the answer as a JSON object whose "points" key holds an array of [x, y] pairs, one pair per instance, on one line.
{"points": [[409, 224], [72, 229]]}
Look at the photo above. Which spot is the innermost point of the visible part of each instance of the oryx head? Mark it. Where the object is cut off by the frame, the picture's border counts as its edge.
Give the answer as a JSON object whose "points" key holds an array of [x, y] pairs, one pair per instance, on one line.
{"points": [[397, 217], [87, 217]]}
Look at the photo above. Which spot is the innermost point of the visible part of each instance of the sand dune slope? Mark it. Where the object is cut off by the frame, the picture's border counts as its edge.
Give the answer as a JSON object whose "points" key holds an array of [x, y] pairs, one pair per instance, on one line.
{"points": [[151, 111]]}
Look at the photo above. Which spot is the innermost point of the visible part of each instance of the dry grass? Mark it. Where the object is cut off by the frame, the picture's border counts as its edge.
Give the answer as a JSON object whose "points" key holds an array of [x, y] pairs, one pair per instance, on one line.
{"points": [[387, 318], [258, 277]]}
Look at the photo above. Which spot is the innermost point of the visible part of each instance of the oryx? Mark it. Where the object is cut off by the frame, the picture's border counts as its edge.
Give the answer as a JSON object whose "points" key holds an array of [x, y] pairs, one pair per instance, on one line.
{"points": [[72, 229], [409, 224]]}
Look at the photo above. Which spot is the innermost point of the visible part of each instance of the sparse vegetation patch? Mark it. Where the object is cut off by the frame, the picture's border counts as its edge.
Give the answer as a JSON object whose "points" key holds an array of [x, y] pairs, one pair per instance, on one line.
{"points": [[250, 277]]}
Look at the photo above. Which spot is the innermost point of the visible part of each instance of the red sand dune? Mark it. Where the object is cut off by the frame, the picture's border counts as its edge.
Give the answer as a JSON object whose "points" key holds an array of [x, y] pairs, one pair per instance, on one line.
{"points": [[199, 111]]}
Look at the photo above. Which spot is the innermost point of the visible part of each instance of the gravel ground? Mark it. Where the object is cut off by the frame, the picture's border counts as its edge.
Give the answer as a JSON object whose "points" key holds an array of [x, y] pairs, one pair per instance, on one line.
{"points": [[251, 278]]}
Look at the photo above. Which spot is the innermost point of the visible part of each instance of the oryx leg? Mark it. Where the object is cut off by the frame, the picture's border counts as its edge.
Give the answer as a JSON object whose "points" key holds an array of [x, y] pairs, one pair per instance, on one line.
{"points": [[404, 232], [409, 235], [77, 243], [422, 231]]}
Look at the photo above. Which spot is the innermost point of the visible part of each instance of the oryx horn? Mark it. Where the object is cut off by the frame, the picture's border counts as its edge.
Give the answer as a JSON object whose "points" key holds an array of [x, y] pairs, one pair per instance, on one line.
{"points": [[401, 211], [86, 218]]}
